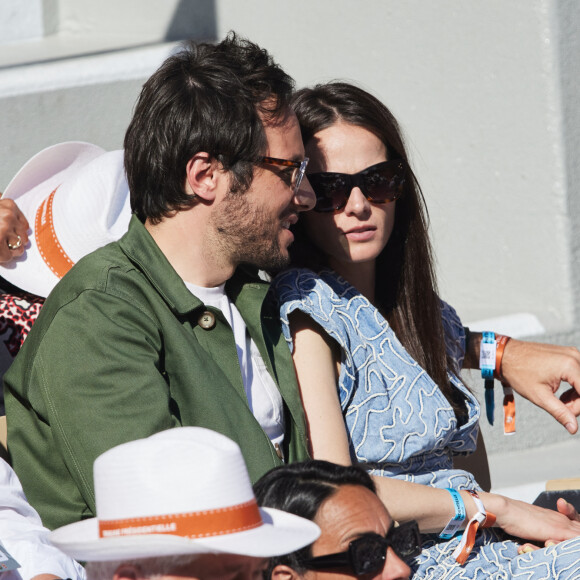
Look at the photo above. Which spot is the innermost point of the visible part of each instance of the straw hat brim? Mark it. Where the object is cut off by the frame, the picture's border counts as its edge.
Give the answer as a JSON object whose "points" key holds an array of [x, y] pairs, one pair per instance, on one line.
{"points": [[281, 533]]}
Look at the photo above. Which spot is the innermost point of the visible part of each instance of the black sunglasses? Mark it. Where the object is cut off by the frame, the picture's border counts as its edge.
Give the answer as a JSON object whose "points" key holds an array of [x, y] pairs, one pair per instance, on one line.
{"points": [[368, 553], [379, 183]]}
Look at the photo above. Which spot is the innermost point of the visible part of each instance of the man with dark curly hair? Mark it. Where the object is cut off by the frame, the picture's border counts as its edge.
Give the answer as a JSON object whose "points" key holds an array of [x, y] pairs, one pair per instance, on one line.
{"points": [[170, 325]]}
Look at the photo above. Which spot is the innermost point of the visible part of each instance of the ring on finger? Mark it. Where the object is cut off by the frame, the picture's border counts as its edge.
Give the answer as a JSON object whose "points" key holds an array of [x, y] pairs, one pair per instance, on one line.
{"points": [[16, 245]]}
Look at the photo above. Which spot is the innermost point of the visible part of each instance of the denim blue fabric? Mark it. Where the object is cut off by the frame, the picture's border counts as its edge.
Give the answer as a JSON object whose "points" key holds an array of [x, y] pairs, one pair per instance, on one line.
{"points": [[400, 424]]}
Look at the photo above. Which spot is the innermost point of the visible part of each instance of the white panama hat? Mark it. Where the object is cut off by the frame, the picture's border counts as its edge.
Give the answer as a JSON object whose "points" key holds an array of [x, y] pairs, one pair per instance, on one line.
{"points": [[76, 199], [181, 491]]}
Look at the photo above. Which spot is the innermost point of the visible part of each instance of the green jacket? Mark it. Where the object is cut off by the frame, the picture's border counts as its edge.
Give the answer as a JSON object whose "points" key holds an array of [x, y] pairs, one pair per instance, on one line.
{"points": [[117, 354]]}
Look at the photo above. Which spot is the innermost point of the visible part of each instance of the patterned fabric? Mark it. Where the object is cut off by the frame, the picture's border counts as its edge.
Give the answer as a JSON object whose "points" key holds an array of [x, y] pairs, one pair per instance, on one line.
{"points": [[400, 424], [382, 389], [18, 312]]}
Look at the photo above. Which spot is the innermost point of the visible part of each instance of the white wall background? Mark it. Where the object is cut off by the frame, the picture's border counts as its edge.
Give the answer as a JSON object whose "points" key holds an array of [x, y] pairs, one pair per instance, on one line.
{"points": [[487, 93]]}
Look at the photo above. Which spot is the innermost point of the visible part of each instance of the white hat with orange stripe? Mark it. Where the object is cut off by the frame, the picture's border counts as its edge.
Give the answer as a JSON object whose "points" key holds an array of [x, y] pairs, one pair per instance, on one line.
{"points": [[76, 199], [181, 491]]}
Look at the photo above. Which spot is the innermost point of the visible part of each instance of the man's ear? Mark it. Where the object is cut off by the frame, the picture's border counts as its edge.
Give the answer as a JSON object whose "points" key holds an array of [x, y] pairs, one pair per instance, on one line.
{"points": [[128, 572], [283, 572], [202, 175]]}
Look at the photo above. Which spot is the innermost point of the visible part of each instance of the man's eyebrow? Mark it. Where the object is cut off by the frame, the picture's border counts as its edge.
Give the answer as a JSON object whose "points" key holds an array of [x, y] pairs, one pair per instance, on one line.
{"points": [[359, 534], [356, 535]]}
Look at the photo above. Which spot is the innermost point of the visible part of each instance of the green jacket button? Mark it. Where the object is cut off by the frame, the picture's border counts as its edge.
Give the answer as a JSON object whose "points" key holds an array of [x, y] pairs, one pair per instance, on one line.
{"points": [[206, 320]]}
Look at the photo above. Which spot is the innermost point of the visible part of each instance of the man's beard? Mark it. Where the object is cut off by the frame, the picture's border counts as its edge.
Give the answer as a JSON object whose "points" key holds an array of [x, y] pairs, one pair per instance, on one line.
{"points": [[247, 235]]}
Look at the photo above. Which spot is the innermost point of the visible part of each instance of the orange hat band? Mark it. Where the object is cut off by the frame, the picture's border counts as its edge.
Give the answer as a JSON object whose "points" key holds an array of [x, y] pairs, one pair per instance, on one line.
{"points": [[201, 524], [47, 241]]}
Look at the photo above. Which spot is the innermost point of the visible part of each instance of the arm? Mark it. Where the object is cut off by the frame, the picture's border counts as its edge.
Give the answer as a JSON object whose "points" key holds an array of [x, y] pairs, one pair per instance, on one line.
{"points": [[12, 224], [25, 538], [95, 382], [535, 371], [315, 360]]}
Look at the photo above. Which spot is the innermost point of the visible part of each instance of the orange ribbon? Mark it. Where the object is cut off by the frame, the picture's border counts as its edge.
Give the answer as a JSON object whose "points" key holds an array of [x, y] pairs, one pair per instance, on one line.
{"points": [[200, 524], [467, 541], [47, 242], [481, 519], [500, 341], [509, 411]]}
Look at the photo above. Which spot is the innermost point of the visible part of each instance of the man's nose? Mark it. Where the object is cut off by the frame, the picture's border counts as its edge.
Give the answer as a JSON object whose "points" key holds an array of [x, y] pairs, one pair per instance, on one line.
{"points": [[305, 198], [395, 568]]}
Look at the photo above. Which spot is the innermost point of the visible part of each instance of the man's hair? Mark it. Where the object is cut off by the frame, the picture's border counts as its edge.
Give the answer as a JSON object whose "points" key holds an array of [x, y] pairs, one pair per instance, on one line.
{"points": [[150, 568], [211, 98], [300, 489]]}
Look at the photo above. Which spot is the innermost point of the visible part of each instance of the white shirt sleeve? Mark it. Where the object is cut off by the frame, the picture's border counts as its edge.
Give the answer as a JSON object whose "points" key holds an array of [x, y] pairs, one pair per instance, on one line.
{"points": [[24, 536]]}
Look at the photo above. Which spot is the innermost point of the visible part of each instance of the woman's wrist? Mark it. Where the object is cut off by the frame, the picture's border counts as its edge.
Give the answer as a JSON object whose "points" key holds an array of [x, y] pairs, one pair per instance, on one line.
{"points": [[494, 503], [483, 518]]}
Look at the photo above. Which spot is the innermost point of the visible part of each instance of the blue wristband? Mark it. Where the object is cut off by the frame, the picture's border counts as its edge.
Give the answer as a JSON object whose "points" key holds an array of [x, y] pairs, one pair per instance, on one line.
{"points": [[457, 520], [487, 355]]}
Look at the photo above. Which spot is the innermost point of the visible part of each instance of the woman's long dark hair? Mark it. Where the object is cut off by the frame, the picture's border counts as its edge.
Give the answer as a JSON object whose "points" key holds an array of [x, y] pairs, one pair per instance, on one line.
{"points": [[406, 289]]}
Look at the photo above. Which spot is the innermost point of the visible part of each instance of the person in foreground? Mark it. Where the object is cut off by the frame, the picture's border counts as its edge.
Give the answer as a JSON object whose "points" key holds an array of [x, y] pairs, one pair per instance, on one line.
{"points": [[25, 551], [179, 503], [358, 536], [376, 350], [170, 325]]}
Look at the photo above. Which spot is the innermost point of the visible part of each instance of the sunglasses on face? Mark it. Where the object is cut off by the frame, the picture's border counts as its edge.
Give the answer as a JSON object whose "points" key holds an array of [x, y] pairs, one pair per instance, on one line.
{"points": [[368, 554], [380, 183]]}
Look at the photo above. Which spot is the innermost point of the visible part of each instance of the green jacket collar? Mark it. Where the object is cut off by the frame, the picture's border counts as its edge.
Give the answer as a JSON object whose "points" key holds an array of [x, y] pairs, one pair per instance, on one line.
{"points": [[142, 250]]}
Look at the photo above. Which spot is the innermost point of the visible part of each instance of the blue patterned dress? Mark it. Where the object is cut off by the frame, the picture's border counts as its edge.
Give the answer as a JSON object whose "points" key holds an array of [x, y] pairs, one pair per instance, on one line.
{"points": [[401, 425]]}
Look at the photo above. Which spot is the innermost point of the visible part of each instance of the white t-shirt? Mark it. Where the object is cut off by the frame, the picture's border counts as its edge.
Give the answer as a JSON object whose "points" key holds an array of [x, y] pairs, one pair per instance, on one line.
{"points": [[263, 395]]}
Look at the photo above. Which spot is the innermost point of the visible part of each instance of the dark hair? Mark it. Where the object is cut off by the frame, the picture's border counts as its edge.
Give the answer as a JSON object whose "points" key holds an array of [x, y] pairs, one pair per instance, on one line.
{"points": [[406, 290], [209, 98], [300, 489]]}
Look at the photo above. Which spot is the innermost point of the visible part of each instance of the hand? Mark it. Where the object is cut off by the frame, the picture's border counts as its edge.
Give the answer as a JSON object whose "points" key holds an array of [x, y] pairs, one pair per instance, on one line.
{"points": [[535, 371], [531, 522], [567, 509], [13, 231], [527, 547]]}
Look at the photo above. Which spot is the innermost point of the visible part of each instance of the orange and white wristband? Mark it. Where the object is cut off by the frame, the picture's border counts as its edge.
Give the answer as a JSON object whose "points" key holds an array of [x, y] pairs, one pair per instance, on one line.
{"points": [[481, 519], [509, 403], [500, 342]]}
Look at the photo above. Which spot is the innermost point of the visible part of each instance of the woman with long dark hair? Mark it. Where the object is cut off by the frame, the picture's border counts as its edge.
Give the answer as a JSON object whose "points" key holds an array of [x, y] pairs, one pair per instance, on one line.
{"points": [[377, 351]]}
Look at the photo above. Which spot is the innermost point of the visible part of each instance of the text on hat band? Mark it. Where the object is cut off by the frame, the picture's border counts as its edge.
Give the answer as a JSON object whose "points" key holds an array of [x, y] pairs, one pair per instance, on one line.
{"points": [[200, 524]]}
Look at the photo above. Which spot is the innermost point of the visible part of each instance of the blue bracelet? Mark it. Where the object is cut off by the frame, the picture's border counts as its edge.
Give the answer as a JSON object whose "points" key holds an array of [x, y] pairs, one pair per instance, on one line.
{"points": [[487, 351], [487, 355], [457, 520]]}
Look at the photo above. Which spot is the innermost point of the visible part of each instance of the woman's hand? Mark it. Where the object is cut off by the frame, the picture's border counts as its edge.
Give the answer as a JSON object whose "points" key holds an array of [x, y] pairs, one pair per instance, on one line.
{"points": [[13, 231], [528, 521]]}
